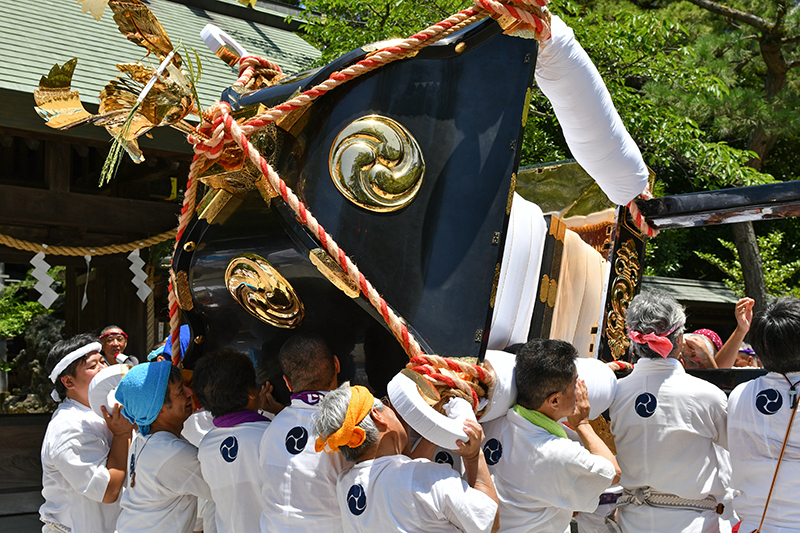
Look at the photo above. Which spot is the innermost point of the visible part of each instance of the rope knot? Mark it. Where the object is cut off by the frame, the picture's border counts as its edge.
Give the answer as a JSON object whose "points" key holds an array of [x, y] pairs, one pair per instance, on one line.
{"points": [[525, 18], [211, 134], [257, 73], [640, 496]]}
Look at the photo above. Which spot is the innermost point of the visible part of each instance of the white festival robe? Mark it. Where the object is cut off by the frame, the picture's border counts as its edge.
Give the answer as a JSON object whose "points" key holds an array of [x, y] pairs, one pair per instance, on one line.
{"points": [[541, 478], [396, 493], [758, 415], [194, 429], [666, 424], [75, 477], [229, 462], [167, 484], [299, 490]]}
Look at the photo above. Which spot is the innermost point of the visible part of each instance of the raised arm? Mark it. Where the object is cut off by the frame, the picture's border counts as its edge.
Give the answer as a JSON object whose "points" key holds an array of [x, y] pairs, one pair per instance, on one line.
{"points": [[579, 421], [726, 356], [475, 468], [116, 463]]}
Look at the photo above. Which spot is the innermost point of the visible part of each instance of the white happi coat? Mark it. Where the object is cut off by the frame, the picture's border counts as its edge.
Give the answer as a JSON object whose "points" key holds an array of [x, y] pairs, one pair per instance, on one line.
{"points": [[541, 478], [229, 462], [758, 415], [168, 483], [665, 425], [194, 429], [396, 493], [299, 490], [75, 477]]}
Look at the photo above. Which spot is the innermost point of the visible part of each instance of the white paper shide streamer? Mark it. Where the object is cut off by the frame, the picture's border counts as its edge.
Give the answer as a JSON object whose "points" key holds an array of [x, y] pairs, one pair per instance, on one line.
{"points": [[139, 275], [85, 300], [44, 281]]}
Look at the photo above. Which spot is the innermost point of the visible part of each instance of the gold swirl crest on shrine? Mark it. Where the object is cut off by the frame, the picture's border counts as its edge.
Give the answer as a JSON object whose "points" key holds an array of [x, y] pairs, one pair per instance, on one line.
{"points": [[263, 291], [377, 164]]}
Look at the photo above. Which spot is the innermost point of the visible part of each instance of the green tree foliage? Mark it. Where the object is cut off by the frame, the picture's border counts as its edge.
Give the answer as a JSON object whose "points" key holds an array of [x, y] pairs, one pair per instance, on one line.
{"points": [[16, 310], [752, 47], [776, 271], [339, 26]]}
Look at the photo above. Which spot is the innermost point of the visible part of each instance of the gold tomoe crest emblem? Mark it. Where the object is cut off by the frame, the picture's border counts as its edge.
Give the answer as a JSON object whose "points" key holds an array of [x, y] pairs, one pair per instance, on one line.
{"points": [[377, 164]]}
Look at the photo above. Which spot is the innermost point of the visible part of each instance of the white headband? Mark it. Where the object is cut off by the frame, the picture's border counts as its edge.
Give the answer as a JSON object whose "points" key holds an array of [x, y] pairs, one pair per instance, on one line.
{"points": [[71, 357]]}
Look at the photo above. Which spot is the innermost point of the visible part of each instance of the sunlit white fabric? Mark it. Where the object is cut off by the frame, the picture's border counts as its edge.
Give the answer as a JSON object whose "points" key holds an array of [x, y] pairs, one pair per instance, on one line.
{"points": [[592, 127]]}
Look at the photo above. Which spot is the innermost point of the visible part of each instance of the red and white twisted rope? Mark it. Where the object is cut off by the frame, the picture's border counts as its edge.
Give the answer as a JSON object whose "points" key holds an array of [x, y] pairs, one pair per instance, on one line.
{"points": [[638, 217], [474, 371], [249, 65], [541, 26], [454, 382], [616, 366]]}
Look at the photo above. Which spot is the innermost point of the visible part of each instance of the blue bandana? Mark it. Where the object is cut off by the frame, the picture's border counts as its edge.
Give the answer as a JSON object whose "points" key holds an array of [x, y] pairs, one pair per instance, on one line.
{"points": [[166, 350], [141, 393]]}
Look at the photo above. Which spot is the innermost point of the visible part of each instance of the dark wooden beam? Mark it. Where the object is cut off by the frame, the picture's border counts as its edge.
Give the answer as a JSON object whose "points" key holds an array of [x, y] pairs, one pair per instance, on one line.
{"points": [[726, 206], [57, 163], [27, 206]]}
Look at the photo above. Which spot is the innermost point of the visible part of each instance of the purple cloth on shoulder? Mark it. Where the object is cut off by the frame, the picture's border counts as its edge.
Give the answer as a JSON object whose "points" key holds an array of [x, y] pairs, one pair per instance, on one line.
{"points": [[309, 397], [239, 417]]}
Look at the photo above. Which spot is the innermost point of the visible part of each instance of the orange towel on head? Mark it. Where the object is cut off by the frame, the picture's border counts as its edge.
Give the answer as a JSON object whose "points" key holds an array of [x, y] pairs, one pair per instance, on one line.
{"points": [[350, 435]]}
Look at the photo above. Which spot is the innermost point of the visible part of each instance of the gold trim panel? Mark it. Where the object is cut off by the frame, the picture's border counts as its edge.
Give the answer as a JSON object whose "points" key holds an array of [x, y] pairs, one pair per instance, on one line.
{"points": [[495, 283], [527, 107], [511, 190], [333, 272], [214, 203], [182, 291], [558, 228]]}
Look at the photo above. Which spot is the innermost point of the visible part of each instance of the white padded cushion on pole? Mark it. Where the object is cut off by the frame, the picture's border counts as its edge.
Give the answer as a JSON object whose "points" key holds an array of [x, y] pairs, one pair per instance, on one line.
{"points": [[424, 419], [601, 384], [103, 387], [504, 392], [519, 275], [592, 127]]}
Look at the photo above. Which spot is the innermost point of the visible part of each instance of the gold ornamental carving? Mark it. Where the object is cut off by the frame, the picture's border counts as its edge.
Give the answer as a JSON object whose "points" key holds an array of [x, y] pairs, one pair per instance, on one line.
{"points": [[511, 189], [183, 292], [263, 291], [377, 164], [627, 270], [495, 283]]}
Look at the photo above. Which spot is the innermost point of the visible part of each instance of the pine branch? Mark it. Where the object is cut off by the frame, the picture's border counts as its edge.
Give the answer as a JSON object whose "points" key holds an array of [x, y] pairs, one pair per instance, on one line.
{"points": [[781, 12], [734, 14], [719, 52], [743, 63]]}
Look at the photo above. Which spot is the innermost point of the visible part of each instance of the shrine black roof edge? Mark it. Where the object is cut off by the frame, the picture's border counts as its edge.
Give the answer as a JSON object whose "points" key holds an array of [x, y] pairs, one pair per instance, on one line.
{"points": [[724, 206]]}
